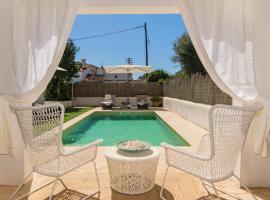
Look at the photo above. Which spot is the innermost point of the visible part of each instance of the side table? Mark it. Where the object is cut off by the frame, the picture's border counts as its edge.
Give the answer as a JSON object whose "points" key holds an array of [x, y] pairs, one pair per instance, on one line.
{"points": [[132, 173]]}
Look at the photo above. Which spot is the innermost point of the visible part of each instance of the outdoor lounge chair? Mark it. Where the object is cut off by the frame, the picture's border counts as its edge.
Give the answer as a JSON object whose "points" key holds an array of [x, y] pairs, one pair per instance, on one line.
{"points": [[41, 128], [218, 151], [142, 102], [109, 101], [126, 104]]}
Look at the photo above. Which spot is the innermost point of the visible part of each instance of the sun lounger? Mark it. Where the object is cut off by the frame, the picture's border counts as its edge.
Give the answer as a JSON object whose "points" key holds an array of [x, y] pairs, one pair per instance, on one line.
{"points": [[126, 104], [142, 102], [109, 102]]}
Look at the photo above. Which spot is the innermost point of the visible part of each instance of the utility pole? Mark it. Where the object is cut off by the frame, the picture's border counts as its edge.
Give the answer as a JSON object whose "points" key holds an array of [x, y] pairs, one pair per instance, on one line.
{"points": [[146, 44]]}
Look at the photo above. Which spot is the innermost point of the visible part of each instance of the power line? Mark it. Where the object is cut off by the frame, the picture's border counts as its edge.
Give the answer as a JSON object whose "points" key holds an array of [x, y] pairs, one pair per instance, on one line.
{"points": [[106, 34]]}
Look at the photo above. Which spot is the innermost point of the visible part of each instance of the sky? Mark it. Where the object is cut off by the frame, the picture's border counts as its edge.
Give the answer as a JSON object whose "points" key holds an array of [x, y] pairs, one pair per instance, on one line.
{"points": [[163, 30]]}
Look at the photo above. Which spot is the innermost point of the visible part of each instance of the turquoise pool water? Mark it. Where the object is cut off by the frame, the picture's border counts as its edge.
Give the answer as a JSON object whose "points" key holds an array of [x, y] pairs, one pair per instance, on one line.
{"points": [[115, 127]]}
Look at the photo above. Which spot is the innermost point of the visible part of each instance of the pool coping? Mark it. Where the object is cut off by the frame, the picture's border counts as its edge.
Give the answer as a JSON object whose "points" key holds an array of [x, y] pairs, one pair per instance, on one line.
{"points": [[189, 131]]}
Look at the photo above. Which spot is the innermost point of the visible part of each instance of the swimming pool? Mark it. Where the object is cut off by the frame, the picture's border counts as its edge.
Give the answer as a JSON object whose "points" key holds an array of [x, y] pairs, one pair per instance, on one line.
{"points": [[115, 127]]}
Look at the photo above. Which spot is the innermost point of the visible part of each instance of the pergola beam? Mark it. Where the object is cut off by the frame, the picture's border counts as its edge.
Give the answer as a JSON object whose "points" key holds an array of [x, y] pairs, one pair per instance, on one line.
{"points": [[129, 7]]}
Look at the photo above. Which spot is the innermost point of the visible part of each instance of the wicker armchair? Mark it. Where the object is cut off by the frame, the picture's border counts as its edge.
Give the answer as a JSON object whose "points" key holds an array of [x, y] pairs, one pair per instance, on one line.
{"points": [[218, 151], [41, 128]]}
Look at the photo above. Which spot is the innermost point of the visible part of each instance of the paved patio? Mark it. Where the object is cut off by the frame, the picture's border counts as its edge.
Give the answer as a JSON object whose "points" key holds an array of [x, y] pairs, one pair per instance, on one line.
{"points": [[179, 185]]}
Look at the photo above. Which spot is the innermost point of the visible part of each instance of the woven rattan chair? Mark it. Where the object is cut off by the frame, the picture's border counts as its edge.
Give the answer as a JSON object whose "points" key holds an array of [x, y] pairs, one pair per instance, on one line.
{"points": [[218, 151], [41, 128]]}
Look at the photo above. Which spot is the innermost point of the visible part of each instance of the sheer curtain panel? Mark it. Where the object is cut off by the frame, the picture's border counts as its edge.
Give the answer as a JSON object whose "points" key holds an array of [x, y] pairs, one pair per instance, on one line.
{"points": [[232, 40], [33, 37]]}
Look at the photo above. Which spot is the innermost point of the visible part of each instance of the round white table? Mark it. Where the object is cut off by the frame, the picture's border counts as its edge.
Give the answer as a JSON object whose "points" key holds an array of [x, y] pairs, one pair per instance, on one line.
{"points": [[132, 173]]}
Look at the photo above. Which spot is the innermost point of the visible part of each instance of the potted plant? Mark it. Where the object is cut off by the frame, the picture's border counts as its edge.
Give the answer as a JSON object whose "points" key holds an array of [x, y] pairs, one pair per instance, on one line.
{"points": [[156, 101]]}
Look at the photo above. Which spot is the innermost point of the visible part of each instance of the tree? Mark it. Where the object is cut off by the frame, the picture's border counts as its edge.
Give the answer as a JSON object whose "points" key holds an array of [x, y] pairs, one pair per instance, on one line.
{"points": [[143, 77], [59, 87], [158, 75], [186, 56]]}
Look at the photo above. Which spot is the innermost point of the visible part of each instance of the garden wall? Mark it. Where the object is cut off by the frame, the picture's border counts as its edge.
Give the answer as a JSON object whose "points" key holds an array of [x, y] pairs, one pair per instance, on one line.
{"points": [[96, 101], [120, 89], [197, 88], [66, 104], [196, 113]]}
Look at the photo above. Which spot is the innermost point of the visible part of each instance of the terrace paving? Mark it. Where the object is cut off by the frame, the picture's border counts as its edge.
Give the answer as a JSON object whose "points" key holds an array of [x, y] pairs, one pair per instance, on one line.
{"points": [[179, 185]]}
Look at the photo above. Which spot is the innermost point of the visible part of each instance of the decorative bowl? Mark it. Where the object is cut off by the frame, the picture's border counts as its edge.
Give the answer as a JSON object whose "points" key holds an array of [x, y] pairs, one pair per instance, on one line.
{"points": [[133, 146]]}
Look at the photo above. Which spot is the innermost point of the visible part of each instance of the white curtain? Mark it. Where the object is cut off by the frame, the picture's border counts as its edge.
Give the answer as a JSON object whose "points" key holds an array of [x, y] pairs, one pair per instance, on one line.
{"points": [[232, 39], [33, 37]]}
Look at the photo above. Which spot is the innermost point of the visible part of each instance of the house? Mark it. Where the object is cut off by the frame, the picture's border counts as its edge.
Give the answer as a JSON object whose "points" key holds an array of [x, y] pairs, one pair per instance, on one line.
{"points": [[90, 73], [118, 76]]}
